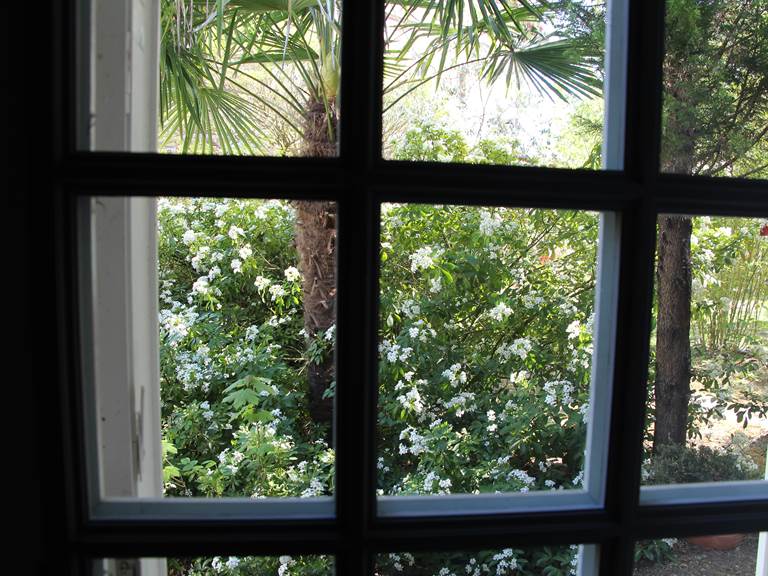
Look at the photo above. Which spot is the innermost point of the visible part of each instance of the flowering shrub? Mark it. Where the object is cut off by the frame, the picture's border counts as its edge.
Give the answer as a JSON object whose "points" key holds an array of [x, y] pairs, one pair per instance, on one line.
{"points": [[233, 353], [485, 354], [234, 565], [486, 346], [545, 561]]}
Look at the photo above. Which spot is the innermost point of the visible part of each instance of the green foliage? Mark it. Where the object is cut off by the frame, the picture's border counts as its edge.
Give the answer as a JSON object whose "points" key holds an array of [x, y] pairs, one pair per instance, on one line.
{"points": [[654, 551], [673, 464], [715, 97]]}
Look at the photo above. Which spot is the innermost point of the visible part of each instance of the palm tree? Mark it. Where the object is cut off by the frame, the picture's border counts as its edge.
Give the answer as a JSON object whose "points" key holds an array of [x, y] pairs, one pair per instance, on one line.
{"points": [[229, 68]]}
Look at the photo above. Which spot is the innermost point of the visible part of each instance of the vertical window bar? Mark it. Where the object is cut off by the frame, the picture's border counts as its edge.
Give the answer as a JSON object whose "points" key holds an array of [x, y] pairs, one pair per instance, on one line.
{"points": [[360, 137]]}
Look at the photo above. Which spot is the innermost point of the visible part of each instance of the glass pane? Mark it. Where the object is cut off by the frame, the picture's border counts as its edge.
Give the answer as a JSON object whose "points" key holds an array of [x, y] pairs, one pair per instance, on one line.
{"points": [[732, 554], [238, 77], [716, 88], [485, 346], [217, 566], [494, 82], [708, 374], [538, 561], [242, 319]]}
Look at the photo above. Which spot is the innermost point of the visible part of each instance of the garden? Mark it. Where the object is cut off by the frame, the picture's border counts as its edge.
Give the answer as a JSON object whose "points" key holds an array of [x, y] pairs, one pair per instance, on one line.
{"points": [[485, 313]]}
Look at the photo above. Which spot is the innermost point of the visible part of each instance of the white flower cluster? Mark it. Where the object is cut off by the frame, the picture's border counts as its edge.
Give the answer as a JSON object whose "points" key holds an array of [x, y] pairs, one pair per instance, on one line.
{"points": [[189, 237], [394, 352], [424, 258], [520, 347], [417, 441], [574, 329], [455, 375], [532, 299], [276, 291], [474, 568], [445, 572], [315, 489], [443, 486], [285, 563], [410, 308], [411, 400], [235, 231], [506, 561], [421, 330], [292, 274], [177, 322], [462, 402], [500, 312], [397, 560], [262, 283], [489, 222], [231, 563], [555, 388], [436, 284]]}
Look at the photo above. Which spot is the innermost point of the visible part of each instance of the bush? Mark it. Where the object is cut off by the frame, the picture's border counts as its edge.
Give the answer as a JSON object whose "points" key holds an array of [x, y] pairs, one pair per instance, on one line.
{"points": [[673, 464]]}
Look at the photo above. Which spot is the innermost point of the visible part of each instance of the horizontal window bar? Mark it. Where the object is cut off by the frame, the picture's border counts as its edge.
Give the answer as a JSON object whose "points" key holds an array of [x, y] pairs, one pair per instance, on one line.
{"points": [[475, 504], [214, 509], [673, 495]]}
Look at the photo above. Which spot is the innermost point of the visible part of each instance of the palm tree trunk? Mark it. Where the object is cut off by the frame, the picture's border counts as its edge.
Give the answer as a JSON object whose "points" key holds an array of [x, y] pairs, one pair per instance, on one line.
{"points": [[315, 231]]}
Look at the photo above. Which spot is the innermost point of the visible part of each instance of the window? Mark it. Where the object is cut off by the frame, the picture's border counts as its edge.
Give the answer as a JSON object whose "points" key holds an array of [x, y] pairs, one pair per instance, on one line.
{"points": [[361, 532]]}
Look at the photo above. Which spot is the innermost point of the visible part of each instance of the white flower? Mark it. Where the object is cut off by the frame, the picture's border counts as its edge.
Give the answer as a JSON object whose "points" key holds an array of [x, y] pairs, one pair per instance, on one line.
{"points": [[245, 252], [410, 308], [189, 237], [574, 329], [235, 231], [520, 347], [489, 223], [237, 266], [500, 312], [261, 283], [330, 333], [532, 300], [276, 291], [292, 274], [233, 562], [455, 375], [424, 258], [436, 284], [201, 286]]}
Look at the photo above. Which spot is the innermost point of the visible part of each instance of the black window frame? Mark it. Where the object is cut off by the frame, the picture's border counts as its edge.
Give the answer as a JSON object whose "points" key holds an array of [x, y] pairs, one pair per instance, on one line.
{"points": [[359, 181]]}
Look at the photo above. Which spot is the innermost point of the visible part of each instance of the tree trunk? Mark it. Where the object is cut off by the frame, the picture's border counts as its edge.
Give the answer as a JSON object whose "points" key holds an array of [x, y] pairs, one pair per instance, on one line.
{"points": [[315, 231], [673, 347]]}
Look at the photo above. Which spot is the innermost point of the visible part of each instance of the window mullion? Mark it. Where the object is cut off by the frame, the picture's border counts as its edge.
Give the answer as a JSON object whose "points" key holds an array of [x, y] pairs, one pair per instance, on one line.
{"points": [[359, 149]]}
